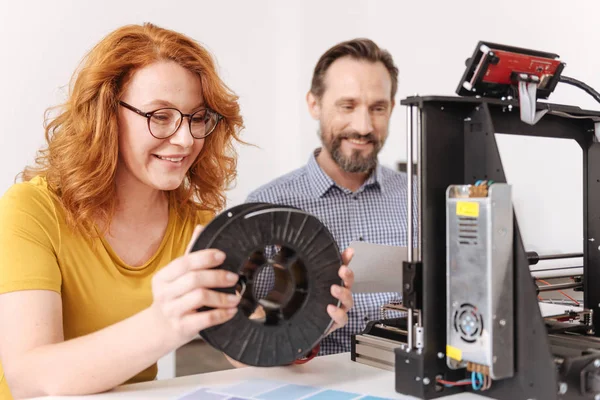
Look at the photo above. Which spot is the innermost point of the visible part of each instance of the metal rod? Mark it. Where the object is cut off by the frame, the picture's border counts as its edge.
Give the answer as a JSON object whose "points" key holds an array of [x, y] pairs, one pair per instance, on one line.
{"points": [[561, 302], [419, 186], [557, 256], [557, 272], [410, 328], [580, 314], [409, 172], [533, 257], [572, 268], [394, 307], [559, 286], [392, 328]]}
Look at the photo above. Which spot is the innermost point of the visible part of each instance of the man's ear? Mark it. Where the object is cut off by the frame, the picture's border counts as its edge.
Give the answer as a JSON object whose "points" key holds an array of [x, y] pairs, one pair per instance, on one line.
{"points": [[314, 106]]}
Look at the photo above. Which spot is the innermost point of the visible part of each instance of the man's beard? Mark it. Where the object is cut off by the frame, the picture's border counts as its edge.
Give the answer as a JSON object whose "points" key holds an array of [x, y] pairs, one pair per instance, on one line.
{"points": [[356, 162]]}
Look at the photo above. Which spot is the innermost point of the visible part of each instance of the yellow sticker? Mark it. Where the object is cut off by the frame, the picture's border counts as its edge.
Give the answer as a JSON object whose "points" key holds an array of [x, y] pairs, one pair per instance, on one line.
{"points": [[454, 353], [467, 208]]}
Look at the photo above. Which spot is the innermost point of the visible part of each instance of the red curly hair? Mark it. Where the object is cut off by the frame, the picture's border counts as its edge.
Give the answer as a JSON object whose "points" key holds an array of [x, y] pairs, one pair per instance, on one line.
{"points": [[80, 160]]}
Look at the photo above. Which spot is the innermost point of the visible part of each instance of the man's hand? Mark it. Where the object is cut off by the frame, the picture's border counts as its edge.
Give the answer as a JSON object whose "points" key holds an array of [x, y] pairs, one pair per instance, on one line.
{"points": [[344, 294]]}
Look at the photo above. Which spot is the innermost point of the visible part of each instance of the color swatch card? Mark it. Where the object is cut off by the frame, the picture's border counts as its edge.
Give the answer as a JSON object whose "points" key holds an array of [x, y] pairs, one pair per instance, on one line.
{"points": [[259, 389]]}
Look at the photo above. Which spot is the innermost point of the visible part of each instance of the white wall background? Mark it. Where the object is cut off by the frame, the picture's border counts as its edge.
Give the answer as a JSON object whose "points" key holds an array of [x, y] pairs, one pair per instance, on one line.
{"points": [[266, 50]]}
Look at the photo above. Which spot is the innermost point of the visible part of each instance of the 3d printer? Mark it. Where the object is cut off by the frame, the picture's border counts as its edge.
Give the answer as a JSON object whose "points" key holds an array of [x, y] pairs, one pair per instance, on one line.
{"points": [[472, 320]]}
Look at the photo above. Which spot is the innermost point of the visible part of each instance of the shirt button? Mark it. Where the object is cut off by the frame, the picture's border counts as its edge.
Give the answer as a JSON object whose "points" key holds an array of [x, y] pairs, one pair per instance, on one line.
{"points": [[361, 238]]}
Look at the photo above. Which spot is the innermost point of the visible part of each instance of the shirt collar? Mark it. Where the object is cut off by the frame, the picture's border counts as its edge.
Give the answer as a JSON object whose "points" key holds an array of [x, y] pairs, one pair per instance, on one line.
{"points": [[321, 182]]}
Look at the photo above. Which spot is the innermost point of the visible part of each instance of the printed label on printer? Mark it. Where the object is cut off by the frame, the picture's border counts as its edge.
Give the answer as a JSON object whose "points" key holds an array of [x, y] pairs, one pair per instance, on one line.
{"points": [[454, 353], [467, 208]]}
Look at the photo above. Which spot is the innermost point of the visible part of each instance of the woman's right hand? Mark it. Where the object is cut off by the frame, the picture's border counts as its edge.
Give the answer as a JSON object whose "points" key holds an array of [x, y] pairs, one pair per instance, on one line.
{"points": [[184, 286]]}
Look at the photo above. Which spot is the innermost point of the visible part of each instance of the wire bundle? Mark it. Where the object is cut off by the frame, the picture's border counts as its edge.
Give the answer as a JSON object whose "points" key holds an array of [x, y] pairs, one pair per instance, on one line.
{"points": [[478, 381], [484, 182]]}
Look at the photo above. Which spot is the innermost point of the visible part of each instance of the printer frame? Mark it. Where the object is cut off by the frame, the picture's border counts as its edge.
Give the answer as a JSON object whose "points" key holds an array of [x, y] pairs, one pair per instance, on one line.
{"points": [[456, 145]]}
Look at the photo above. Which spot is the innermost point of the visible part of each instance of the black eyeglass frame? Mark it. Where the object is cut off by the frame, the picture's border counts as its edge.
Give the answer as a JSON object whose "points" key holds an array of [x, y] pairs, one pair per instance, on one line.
{"points": [[148, 116]]}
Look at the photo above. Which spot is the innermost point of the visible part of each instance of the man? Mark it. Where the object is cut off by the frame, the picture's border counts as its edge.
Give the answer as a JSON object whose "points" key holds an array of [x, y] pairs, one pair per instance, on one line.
{"points": [[352, 96]]}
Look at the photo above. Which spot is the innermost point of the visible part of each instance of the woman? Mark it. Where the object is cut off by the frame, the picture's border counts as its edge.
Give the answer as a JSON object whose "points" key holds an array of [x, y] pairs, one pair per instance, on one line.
{"points": [[95, 279]]}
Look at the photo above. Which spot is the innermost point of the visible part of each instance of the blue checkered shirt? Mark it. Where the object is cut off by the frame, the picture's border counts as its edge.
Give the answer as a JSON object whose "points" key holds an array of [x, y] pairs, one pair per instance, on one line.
{"points": [[375, 213]]}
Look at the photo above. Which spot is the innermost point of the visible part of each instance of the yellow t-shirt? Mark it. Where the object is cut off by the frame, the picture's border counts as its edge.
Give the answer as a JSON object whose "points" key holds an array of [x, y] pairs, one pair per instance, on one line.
{"points": [[4, 392], [39, 251]]}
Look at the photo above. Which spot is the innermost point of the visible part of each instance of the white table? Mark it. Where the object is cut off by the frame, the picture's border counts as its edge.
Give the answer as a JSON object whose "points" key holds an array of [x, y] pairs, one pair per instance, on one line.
{"points": [[332, 372]]}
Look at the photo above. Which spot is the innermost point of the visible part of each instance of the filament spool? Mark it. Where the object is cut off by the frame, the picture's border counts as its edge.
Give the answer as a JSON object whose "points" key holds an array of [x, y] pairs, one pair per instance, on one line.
{"points": [[287, 261]]}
